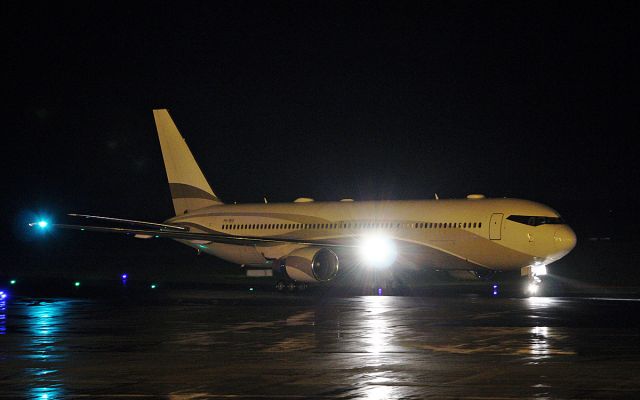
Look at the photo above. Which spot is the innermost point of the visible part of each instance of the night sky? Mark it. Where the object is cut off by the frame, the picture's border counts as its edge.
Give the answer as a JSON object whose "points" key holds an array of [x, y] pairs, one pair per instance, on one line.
{"points": [[367, 100]]}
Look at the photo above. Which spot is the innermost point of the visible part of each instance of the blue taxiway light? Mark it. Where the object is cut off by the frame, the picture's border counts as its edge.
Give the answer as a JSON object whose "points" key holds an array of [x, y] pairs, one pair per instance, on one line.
{"points": [[3, 295], [124, 276]]}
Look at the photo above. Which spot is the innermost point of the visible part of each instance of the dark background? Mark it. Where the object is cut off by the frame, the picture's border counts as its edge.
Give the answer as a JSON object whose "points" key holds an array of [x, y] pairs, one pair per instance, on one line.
{"points": [[368, 100]]}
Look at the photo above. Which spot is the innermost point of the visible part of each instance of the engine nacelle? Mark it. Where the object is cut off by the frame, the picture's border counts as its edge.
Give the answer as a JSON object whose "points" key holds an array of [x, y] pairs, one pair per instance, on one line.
{"points": [[311, 264]]}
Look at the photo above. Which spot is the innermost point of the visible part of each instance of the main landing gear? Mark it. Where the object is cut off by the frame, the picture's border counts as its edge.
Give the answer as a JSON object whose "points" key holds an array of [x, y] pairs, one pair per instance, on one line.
{"points": [[290, 286]]}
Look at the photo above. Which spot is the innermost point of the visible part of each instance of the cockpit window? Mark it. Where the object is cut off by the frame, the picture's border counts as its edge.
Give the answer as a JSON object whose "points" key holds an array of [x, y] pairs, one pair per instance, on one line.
{"points": [[535, 220]]}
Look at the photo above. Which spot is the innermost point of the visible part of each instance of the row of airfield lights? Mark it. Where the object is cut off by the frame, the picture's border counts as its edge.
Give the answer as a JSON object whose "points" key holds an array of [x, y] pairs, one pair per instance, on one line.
{"points": [[124, 278], [77, 284]]}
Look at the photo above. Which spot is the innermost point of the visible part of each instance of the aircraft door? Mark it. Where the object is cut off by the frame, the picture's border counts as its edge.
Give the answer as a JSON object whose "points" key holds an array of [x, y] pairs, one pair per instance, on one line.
{"points": [[495, 227]]}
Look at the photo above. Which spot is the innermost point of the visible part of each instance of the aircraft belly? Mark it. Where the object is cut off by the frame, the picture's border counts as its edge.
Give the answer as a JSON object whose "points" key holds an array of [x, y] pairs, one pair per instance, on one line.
{"points": [[477, 251], [433, 257], [236, 254], [276, 251]]}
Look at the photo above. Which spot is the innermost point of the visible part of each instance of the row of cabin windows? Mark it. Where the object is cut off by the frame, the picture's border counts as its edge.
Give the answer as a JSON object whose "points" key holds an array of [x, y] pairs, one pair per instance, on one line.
{"points": [[357, 225]]}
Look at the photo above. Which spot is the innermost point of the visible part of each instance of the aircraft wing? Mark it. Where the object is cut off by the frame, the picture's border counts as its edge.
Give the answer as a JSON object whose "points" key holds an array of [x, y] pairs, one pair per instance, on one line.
{"points": [[133, 222], [184, 233]]}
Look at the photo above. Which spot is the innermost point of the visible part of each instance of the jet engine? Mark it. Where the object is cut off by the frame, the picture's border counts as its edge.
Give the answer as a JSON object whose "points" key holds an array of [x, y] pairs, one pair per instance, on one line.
{"points": [[311, 264]]}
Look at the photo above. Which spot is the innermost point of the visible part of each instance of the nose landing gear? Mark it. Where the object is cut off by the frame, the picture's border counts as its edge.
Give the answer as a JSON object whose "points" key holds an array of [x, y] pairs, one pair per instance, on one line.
{"points": [[533, 285], [533, 273]]}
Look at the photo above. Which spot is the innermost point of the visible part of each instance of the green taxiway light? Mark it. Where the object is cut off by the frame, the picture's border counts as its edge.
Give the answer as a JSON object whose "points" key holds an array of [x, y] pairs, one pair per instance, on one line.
{"points": [[13, 281], [77, 284], [153, 286]]}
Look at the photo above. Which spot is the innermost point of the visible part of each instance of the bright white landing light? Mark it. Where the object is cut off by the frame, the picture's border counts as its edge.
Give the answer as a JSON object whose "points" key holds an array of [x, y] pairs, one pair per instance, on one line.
{"points": [[532, 288], [377, 251], [539, 269]]}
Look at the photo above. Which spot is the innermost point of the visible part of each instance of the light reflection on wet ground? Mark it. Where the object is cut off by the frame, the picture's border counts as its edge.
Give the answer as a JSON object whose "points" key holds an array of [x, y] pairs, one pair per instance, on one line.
{"points": [[206, 345]]}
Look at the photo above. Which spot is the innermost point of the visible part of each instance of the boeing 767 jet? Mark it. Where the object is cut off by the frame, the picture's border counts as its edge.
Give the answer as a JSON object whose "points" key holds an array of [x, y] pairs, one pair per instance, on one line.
{"points": [[310, 242]]}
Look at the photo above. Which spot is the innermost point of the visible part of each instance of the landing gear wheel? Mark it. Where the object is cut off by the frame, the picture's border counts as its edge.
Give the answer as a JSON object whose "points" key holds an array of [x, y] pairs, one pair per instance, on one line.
{"points": [[281, 286]]}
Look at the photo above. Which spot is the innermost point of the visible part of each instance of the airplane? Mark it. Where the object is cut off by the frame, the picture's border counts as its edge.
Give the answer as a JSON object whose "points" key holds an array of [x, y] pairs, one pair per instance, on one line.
{"points": [[308, 242]]}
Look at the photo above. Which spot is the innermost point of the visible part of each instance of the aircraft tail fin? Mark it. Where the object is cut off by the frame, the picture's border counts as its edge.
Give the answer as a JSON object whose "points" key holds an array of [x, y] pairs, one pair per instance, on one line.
{"points": [[189, 188]]}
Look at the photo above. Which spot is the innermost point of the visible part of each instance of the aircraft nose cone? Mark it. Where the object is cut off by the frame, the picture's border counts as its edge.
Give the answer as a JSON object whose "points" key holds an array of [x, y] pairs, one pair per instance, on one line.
{"points": [[565, 239]]}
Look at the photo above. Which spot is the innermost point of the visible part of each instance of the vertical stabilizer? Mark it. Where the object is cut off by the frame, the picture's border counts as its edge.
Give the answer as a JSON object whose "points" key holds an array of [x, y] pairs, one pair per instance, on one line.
{"points": [[189, 187]]}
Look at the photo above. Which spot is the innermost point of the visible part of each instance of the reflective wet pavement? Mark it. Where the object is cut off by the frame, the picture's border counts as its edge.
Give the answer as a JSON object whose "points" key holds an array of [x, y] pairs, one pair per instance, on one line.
{"points": [[192, 345]]}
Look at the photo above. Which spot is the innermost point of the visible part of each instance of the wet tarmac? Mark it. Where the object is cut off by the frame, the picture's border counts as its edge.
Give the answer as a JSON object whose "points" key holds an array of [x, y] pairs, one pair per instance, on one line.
{"points": [[233, 344]]}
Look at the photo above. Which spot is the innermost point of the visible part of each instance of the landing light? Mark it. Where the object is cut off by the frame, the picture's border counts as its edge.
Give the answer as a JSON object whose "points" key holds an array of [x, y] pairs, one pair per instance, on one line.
{"points": [[539, 269], [377, 251], [532, 288]]}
